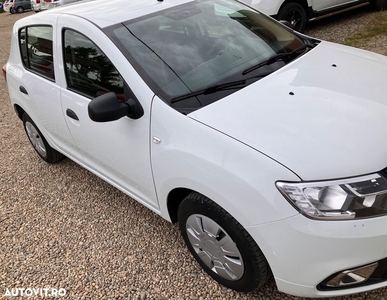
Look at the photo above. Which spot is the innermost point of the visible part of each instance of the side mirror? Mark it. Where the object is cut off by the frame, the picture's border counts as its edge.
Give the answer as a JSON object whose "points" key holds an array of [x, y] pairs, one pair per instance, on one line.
{"points": [[286, 23], [107, 107]]}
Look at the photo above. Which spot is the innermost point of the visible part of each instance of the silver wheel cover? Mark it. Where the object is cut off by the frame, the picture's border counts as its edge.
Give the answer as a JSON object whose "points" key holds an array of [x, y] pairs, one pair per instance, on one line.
{"points": [[36, 139], [215, 247]]}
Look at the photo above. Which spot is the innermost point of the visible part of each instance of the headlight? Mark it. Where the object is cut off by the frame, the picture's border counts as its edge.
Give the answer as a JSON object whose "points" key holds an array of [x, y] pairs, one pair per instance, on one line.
{"points": [[353, 198]]}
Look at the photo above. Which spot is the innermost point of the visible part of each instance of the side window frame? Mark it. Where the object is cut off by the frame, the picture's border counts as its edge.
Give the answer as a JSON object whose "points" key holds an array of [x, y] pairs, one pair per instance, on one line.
{"points": [[23, 49]]}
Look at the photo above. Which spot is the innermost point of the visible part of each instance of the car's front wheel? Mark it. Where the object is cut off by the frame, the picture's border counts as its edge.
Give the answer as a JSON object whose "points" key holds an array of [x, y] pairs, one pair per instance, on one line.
{"points": [[38, 141], [221, 245], [20, 9], [295, 14]]}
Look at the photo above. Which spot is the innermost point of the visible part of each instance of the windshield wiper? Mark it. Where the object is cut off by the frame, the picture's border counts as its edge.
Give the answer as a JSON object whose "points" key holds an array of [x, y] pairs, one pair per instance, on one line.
{"points": [[209, 90], [276, 57], [217, 87], [235, 84]]}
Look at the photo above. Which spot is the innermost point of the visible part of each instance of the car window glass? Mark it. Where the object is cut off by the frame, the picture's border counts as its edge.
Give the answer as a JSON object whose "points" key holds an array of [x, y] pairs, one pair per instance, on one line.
{"points": [[199, 44], [88, 70], [36, 50]]}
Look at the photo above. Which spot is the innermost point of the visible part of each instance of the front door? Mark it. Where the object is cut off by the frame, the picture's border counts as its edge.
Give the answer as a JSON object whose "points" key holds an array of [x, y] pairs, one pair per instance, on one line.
{"points": [[117, 151]]}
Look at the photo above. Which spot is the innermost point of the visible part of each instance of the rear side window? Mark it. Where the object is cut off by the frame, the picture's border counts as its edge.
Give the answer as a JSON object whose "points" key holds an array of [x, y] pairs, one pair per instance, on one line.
{"points": [[88, 70], [36, 50]]}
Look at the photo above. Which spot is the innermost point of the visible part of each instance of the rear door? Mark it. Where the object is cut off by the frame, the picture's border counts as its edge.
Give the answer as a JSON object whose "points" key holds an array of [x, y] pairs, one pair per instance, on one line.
{"points": [[34, 82], [118, 151]]}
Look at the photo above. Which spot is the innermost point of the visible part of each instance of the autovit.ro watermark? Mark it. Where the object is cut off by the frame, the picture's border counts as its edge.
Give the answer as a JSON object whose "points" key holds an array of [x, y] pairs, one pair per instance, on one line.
{"points": [[29, 292]]}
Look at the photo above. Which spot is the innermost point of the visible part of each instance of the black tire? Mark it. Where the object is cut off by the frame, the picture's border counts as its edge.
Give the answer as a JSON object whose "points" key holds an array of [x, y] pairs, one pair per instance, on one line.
{"points": [[12, 10], [20, 10], [246, 269], [380, 4], [38, 141], [295, 14]]}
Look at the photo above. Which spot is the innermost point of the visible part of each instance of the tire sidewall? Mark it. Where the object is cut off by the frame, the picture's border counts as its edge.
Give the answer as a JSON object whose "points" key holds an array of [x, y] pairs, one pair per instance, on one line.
{"points": [[52, 155], [249, 280], [289, 7]]}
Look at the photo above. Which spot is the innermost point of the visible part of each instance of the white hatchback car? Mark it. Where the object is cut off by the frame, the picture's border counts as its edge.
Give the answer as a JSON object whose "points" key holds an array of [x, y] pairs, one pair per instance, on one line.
{"points": [[36, 5], [267, 146], [8, 6], [298, 12]]}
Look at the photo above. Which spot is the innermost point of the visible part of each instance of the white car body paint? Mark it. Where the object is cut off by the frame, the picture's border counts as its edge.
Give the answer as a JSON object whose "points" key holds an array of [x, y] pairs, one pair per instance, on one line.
{"points": [[312, 131], [320, 117]]}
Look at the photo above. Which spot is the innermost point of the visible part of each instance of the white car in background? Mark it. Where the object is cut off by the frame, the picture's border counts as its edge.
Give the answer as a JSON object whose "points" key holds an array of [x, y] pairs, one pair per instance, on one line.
{"points": [[36, 5], [268, 147], [8, 6], [299, 12]]}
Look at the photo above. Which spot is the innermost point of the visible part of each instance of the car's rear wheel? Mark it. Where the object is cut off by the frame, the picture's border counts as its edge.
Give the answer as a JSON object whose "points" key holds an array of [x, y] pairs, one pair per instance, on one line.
{"points": [[295, 14], [221, 245], [380, 4], [12, 10], [20, 9], [38, 141]]}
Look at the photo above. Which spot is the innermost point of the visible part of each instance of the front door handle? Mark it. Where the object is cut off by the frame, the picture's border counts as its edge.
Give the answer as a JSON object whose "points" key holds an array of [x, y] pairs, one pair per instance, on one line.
{"points": [[72, 114], [23, 90]]}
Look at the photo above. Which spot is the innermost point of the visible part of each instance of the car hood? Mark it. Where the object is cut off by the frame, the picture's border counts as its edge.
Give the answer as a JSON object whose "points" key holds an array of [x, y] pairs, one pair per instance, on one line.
{"points": [[323, 116]]}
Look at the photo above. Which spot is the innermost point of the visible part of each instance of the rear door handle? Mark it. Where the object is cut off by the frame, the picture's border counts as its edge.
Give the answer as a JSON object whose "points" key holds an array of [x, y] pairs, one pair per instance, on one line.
{"points": [[23, 90], [72, 114]]}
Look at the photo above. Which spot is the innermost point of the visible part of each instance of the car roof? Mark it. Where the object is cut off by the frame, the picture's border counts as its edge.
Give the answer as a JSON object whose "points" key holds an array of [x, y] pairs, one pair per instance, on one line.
{"points": [[104, 13]]}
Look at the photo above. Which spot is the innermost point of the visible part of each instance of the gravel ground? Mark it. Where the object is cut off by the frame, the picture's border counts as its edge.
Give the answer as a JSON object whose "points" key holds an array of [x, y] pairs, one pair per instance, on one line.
{"points": [[337, 28], [62, 227]]}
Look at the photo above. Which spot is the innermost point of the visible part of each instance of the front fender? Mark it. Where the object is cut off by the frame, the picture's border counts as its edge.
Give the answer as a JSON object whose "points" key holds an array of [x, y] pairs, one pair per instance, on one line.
{"points": [[238, 178]]}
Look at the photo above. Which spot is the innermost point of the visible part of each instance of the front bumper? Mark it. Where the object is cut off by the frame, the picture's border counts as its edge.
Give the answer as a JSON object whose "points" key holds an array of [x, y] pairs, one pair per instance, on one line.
{"points": [[302, 253]]}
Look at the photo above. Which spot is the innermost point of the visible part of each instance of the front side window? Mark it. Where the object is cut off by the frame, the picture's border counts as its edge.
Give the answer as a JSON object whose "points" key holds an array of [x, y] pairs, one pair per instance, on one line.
{"points": [[88, 70], [185, 49], [37, 50]]}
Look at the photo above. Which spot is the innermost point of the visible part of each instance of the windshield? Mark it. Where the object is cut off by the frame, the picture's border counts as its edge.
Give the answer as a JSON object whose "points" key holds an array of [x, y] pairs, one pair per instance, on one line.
{"points": [[201, 44]]}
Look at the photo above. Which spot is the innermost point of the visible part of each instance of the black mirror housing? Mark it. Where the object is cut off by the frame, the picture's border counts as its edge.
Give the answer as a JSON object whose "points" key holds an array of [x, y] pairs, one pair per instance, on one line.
{"points": [[107, 107]]}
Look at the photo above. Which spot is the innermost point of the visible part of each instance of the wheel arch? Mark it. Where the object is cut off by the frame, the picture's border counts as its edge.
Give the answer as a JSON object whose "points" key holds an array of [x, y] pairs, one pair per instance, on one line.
{"points": [[19, 111], [175, 197], [254, 269], [303, 3]]}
